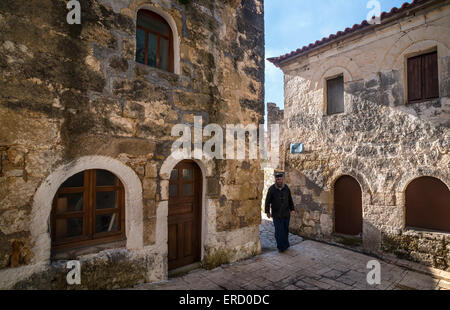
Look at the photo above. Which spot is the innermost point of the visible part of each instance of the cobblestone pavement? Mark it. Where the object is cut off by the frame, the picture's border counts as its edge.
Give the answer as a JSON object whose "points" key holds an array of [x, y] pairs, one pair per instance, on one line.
{"points": [[308, 265], [267, 234]]}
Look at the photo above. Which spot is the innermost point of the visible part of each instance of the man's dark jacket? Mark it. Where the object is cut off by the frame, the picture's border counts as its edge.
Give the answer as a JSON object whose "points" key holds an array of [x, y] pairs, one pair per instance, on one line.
{"points": [[280, 200]]}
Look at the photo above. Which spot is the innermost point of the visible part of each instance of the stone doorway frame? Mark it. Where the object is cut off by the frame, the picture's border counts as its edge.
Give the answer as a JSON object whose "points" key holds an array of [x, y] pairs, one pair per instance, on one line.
{"points": [[207, 168]]}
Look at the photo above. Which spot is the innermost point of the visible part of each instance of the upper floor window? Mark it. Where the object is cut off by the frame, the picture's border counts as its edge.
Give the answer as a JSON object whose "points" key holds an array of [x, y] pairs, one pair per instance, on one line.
{"points": [[423, 82], [154, 41], [335, 95], [88, 209]]}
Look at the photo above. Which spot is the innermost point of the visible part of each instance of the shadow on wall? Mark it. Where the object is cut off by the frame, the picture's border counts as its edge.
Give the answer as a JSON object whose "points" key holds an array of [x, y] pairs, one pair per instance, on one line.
{"points": [[315, 219]]}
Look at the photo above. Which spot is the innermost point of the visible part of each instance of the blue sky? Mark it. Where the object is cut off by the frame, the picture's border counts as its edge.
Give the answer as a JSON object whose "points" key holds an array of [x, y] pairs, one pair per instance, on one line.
{"points": [[291, 24]]}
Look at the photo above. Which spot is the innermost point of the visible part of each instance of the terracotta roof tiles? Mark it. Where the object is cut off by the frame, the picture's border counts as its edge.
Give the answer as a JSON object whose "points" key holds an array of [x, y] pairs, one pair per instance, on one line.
{"points": [[405, 6]]}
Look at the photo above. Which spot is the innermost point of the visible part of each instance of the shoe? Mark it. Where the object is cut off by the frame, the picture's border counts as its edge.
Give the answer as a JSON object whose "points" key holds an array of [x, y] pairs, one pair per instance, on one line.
{"points": [[282, 251]]}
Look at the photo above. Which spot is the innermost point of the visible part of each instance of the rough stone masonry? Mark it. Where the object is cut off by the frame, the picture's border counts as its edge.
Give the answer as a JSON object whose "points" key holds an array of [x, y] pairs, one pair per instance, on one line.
{"points": [[73, 98], [380, 140]]}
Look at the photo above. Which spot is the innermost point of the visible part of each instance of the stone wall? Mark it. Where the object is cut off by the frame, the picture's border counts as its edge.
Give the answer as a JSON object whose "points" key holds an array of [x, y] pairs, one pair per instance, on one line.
{"points": [[275, 116], [70, 93], [379, 140]]}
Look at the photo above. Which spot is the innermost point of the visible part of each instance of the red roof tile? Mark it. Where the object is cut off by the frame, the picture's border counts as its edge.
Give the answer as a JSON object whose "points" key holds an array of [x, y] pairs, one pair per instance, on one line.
{"points": [[405, 6]]}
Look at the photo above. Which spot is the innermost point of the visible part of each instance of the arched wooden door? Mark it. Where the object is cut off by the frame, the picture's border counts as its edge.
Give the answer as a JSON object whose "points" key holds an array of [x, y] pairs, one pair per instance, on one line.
{"points": [[427, 202], [185, 189], [347, 206]]}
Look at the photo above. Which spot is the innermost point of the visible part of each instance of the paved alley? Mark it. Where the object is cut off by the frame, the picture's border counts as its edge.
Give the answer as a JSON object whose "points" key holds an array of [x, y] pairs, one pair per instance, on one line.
{"points": [[267, 235], [308, 265]]}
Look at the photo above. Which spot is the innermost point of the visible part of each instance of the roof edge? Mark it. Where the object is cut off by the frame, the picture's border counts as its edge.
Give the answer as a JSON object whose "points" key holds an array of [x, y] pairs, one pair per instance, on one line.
{"points": [[395, 13]]}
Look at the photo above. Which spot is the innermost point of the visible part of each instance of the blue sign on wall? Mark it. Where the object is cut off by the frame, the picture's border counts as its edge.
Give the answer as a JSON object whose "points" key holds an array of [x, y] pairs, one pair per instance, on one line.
{"points": [[296, 148]]}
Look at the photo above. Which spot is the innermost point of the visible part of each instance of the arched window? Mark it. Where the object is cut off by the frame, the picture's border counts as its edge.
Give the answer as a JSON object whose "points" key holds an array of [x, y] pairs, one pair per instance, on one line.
{"points": [[88, 209], [154, 41], [427, 204], [347, 206]]}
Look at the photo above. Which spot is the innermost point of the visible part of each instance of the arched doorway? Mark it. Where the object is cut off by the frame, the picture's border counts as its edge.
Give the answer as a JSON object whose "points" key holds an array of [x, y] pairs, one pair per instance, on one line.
{"points": [[427, 204], [185, 215], [347, 206]]}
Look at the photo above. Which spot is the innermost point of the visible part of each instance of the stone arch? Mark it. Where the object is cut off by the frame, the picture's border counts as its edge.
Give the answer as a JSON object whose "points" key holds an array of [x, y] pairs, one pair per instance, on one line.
{"points": [[406, 178], [42, 203], [207, 167], [409, 176], [362, 180], [173, 26], [333, 71], [329, 68], [415, 41]]}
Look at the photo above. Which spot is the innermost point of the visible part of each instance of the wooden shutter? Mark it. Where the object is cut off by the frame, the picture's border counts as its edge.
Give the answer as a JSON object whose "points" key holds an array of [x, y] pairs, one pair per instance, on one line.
{"points": [[423, 81], [415, 79], [335, 95], [430, 76]]}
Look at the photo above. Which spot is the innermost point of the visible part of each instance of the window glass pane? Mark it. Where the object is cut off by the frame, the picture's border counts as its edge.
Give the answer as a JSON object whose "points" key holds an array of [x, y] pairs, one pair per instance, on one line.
{"points": [[187, 174], [66, 228], [188, 189], [74, 181], [69, 203], [173, 190], [163, 54], [140, 46], [174, 174], [152, 45], [105, 200], [106, 223], [153, 24], [105, 178]]}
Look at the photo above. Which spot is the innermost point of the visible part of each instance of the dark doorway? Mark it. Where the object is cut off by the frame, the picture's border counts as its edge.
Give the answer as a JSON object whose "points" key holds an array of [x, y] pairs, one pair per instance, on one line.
{"points": [[347, 206], [185, 194], [427, 204]]}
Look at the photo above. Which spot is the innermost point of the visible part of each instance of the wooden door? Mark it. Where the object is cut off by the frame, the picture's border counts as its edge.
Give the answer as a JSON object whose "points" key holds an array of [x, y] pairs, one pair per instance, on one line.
{"points": [[347, 206], [185, 190], [427, 204]]}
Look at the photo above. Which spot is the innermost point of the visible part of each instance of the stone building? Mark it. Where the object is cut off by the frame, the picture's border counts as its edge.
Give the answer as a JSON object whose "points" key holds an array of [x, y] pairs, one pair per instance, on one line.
{"points": [[86, 113], [371, 105], [275, 116]]}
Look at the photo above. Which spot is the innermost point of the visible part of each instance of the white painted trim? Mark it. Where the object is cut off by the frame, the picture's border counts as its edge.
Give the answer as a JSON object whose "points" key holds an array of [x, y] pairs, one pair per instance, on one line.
{"points": [[207, 167], [42, 204], [173, 26]]}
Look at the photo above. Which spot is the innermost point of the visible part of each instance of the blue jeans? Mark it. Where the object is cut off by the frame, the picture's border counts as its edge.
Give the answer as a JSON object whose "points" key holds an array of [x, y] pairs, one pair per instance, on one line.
{"points": [[282, 233]]}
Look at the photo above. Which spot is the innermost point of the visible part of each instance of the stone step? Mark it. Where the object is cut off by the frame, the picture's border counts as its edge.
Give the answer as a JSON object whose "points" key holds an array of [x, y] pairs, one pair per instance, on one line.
{"points": [[184, 270]]}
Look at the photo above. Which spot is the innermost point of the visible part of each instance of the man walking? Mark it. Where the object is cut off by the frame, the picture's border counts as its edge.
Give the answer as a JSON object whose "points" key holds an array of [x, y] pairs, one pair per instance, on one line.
{"points": [[279, 199]]}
